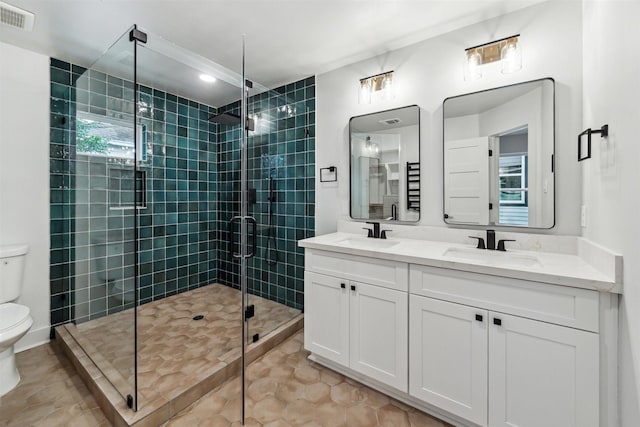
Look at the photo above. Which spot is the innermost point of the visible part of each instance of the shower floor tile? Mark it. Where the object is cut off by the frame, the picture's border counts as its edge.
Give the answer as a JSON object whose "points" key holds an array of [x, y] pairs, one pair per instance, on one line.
{"points": [[179, 358]]}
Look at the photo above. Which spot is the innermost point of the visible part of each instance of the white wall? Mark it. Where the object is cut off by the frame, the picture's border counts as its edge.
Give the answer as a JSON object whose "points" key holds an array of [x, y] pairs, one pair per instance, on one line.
{"points": [[612, 176], [24, 176], [430, 71]]}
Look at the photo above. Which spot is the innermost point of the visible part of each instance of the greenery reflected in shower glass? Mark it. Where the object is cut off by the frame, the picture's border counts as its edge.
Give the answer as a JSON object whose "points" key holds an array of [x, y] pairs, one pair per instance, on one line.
{"points": [[104, 136], [102, 215]]}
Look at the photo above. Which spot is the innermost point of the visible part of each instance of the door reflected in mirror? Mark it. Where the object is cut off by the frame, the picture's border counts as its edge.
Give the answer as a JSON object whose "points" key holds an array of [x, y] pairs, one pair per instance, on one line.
{"points": [[385, 165], [498, 156]]}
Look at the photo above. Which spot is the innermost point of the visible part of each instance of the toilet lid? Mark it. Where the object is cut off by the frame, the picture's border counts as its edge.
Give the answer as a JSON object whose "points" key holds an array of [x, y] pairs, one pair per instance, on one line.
{"points": [[12, 314]]}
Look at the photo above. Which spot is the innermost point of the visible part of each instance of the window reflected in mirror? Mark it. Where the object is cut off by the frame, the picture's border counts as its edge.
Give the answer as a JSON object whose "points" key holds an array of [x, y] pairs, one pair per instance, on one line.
{"points": [[512, 178]]}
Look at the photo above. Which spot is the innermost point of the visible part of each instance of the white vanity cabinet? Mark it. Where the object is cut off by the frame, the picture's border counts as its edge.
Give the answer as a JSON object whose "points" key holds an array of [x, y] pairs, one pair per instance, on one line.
{"points": [[542, 374], [479, 343], [448, 357], [356, 313], [504, 352], [326, 331], [378, 333]]}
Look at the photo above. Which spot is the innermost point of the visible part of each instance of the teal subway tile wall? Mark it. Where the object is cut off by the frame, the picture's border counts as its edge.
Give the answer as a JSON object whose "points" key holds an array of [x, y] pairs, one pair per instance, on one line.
{"points": [[281, 163], [192, 176], [92, 194]]}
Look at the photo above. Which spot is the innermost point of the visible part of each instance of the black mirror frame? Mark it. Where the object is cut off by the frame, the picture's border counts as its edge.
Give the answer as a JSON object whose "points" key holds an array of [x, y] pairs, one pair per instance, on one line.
{"points": [[419, 160], [553, 166]]}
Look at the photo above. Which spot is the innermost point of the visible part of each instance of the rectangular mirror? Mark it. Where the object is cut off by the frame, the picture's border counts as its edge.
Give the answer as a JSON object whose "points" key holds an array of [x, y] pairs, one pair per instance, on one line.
{"points": [[385, 165], [498, 156]]}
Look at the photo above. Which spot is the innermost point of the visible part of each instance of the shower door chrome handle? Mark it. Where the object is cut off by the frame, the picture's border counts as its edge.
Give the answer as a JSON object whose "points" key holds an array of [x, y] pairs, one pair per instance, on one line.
{"points": [[254, 226], [141, 189], [254, 243], [232, 221]]}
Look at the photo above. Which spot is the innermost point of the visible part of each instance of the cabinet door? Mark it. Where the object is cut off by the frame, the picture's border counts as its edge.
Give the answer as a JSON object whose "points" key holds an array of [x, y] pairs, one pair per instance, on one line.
{"points": [[379, 332], [326, 317], [448, 357], [541, 374]]}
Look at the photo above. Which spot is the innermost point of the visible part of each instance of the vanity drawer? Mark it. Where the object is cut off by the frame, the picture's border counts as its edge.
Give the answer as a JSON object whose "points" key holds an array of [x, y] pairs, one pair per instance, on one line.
{"points": [[562, 305], [389, 274]]}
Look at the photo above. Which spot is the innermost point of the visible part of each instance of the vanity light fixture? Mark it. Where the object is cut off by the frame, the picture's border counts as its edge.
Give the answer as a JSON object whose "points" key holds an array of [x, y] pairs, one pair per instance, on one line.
{"points": [[378, 87], [506, 50]]}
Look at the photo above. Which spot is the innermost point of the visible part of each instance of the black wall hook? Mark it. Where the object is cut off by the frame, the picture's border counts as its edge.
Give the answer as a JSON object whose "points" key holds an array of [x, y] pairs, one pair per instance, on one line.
{"points": [[603, 131]]}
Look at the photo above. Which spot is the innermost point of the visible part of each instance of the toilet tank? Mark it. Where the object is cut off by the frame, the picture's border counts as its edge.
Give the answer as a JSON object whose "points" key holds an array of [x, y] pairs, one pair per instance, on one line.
{"points": [[11, 271]]}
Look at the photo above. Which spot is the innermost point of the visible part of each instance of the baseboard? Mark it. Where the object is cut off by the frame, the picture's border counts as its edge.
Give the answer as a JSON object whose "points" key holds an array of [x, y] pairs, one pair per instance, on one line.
{"points": [[33, 338]]}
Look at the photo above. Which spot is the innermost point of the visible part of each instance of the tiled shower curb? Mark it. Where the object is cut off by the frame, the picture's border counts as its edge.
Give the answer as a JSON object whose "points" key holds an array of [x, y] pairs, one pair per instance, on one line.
{"points": [[156, 412]]}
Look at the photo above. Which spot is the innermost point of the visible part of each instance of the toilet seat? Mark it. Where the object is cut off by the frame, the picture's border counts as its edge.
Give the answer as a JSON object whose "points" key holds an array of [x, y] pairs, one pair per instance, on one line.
{"points": [[12, 315]]}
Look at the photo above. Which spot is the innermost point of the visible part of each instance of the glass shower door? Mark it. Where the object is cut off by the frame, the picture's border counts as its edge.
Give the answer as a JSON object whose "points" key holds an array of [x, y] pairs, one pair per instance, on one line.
{"points": [[280, 196], [186, 321], [105, 210], [245, 222]]}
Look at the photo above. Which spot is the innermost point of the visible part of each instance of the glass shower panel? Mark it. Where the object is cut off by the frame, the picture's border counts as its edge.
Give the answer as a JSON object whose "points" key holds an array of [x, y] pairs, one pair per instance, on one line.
{"points": [[104, 218], [185, 319], [161, 169], [280, 195]]}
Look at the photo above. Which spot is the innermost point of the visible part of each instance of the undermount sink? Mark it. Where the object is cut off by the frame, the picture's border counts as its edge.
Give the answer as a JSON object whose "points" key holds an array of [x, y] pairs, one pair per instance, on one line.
{"points": [[367, 243], [496, 258]]}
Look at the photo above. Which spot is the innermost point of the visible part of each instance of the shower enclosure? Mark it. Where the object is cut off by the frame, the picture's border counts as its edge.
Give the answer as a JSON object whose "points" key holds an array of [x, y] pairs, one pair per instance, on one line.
{"points": [[185, 201]]}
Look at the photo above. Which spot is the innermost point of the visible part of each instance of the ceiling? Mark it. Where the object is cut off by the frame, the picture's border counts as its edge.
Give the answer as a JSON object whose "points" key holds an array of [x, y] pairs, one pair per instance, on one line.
{"points": [[406, 116], [479, 102], [286, 40]]}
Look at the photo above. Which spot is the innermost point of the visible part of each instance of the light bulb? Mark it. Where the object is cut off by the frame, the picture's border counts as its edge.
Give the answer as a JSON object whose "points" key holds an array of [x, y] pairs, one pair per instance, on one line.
{"points": [[472, 65], [511, 56], [365, 92], [387, 86]]}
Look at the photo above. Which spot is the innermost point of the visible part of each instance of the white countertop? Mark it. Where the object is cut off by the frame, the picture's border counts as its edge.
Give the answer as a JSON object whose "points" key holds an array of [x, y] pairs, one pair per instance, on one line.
{"points": [[555, 268]]}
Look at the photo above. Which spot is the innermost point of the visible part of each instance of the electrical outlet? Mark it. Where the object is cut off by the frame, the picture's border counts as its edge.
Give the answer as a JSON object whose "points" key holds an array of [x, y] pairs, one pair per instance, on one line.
{"points": [[583, 216]]}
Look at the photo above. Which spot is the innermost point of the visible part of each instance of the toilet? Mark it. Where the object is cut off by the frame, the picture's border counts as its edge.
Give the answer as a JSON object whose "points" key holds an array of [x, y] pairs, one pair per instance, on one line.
{"points": [[15, 320]]}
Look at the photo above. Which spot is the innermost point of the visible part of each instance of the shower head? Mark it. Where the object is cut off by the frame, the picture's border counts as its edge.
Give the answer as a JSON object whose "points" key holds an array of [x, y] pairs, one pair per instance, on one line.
{"points": [[228, 119]]}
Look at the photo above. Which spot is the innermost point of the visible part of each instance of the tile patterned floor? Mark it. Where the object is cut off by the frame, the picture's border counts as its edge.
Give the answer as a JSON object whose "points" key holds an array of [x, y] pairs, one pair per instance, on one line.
{"points": [[173, 348], [50, 394], [287, 389]]}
